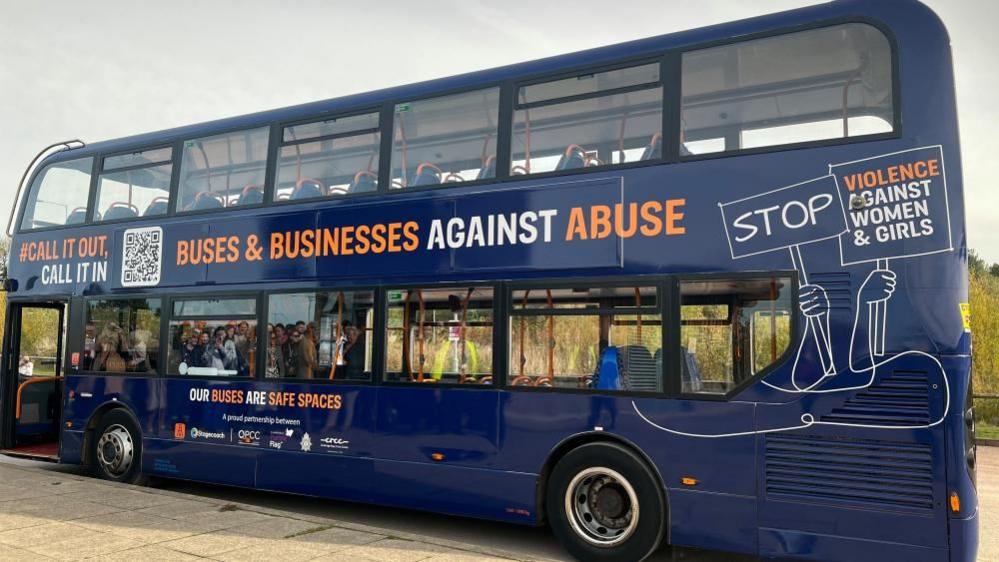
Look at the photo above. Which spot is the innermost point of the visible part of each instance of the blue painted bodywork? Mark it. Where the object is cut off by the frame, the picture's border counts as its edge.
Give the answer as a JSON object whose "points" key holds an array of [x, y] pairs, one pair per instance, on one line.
{"points": [[496, 442]]}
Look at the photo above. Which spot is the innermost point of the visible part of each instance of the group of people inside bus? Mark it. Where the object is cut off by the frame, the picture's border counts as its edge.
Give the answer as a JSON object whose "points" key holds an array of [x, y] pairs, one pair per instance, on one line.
{"points": [[294, 352], [217, 348], [228, 348], [113, 349]]}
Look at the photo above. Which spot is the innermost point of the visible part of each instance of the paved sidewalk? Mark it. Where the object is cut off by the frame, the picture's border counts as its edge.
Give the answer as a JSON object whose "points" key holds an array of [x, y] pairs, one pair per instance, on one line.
{"points": [[46, 515], [988, 504]]}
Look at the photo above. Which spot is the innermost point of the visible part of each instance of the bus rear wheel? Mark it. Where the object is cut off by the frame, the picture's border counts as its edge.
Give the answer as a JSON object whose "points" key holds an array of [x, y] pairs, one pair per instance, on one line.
{"points": [[116, 448], [605, 504]]}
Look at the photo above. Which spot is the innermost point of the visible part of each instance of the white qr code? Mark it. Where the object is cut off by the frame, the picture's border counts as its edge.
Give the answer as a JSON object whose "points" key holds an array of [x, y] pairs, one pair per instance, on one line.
{"points": [[142, 257]]}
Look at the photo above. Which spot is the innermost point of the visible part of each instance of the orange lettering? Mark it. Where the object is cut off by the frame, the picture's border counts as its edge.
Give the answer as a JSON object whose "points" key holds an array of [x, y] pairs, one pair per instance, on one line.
{"points": [[577, 225]]}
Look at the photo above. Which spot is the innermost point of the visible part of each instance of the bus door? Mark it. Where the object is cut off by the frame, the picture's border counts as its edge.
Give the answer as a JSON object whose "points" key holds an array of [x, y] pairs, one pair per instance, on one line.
{"points": [[32, 384]]}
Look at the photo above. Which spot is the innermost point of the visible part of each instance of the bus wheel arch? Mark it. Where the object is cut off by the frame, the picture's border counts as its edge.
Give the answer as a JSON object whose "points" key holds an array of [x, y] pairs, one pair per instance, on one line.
{"points": [[599, 452], [125, 430]]}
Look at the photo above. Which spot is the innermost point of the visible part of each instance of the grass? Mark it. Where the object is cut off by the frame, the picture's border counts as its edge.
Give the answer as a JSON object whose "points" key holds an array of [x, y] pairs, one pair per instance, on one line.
{"points": [[986, 431]]}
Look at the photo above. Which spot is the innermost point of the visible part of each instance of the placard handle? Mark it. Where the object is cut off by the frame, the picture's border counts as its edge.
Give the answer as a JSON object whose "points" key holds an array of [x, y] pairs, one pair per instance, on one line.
{"points": [[880, 321], [817, 327]]}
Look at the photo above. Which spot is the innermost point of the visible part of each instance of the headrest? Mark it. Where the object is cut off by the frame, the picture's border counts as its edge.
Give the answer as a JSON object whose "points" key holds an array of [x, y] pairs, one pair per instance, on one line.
{"points": [[157, 206], [251, 195], [363, 182], [120, 210], [207, 200], [426, 174], [308, 189]]}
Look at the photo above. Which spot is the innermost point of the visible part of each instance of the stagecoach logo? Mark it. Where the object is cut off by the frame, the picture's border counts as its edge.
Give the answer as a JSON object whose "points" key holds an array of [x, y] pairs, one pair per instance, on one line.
{"points": [[202, 434], [335, 444], [306, 443]]}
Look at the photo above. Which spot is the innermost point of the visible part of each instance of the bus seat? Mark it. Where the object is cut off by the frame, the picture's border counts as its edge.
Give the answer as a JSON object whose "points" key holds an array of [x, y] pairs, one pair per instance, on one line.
{"points": [[609, 375], [36, 400], [426, 174], [364, 181], [691, 373], [206, 200], [308, 189], [120, 210], [251, 195], [488, 169], [157, 206], [77, 216], [639, 369], [654, 150], [573, 158]]}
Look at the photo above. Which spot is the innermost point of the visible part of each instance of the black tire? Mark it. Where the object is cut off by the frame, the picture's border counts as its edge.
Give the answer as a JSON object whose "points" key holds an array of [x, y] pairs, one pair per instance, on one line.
{"points": [[116, 432], [595, 467]]}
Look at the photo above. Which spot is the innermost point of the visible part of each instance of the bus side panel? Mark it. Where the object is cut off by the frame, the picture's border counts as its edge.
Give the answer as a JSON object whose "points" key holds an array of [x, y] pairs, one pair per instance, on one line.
{"points": [[472, 492], [71, 446], [330, 453], [807, 546], [870, 470], [712, 521], [719, 511]]}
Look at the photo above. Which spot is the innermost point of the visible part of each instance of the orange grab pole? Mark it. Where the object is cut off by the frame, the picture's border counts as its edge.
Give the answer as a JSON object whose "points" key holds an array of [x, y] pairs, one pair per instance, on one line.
{"points": [[339, 332]]}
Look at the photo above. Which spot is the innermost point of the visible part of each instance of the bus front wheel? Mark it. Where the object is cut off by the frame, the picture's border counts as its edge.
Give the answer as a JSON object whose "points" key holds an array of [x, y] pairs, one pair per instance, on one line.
{"points": [[605, 504], [116, 448]]}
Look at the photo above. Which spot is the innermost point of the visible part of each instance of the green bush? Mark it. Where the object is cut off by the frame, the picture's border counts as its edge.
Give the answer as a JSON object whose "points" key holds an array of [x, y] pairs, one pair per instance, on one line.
{"points": [[984, 292]]}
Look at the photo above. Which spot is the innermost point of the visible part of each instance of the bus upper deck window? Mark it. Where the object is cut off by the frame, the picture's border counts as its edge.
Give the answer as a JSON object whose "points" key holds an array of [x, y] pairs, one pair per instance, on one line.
{"points": [[223, 170], [593, 119], [134, 185], [58, 195], [445, 140], [329, 158], [820, 84]]}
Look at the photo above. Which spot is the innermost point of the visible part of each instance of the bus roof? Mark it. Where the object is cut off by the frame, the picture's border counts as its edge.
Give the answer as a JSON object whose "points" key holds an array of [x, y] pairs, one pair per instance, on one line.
{"points": [[856, 10]]}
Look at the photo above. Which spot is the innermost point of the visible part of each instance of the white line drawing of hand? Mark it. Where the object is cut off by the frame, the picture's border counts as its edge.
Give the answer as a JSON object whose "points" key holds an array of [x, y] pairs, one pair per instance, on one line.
{"points": [[879, 286], [813, 300]]}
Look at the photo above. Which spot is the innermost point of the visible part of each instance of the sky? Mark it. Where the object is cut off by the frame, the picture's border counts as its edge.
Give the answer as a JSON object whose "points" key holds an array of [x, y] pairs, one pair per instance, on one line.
{"points": [[105, 69]]}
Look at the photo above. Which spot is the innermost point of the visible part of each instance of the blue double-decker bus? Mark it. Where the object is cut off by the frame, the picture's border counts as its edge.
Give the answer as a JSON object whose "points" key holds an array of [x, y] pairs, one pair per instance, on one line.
{"points": [[707, 289]]}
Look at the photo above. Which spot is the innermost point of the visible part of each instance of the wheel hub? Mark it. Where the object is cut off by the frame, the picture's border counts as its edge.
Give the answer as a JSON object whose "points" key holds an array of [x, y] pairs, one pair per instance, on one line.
{"points": [[602, 506], [115, 450]]}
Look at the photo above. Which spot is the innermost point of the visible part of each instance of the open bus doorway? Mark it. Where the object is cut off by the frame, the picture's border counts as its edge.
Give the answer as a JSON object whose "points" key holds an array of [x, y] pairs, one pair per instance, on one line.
{"points": [[32, 380]]}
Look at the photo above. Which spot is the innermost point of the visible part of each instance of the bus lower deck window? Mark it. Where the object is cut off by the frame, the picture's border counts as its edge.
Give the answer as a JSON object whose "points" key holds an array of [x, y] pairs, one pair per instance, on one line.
{"points": [[320, 335], [122, 336], [440, 335], [730, 330], [213, 337], [602, 339]]}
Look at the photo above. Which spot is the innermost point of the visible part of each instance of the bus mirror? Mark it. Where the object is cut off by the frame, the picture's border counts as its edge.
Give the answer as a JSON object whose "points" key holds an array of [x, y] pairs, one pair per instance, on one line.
{"points": [[10, 285]]}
